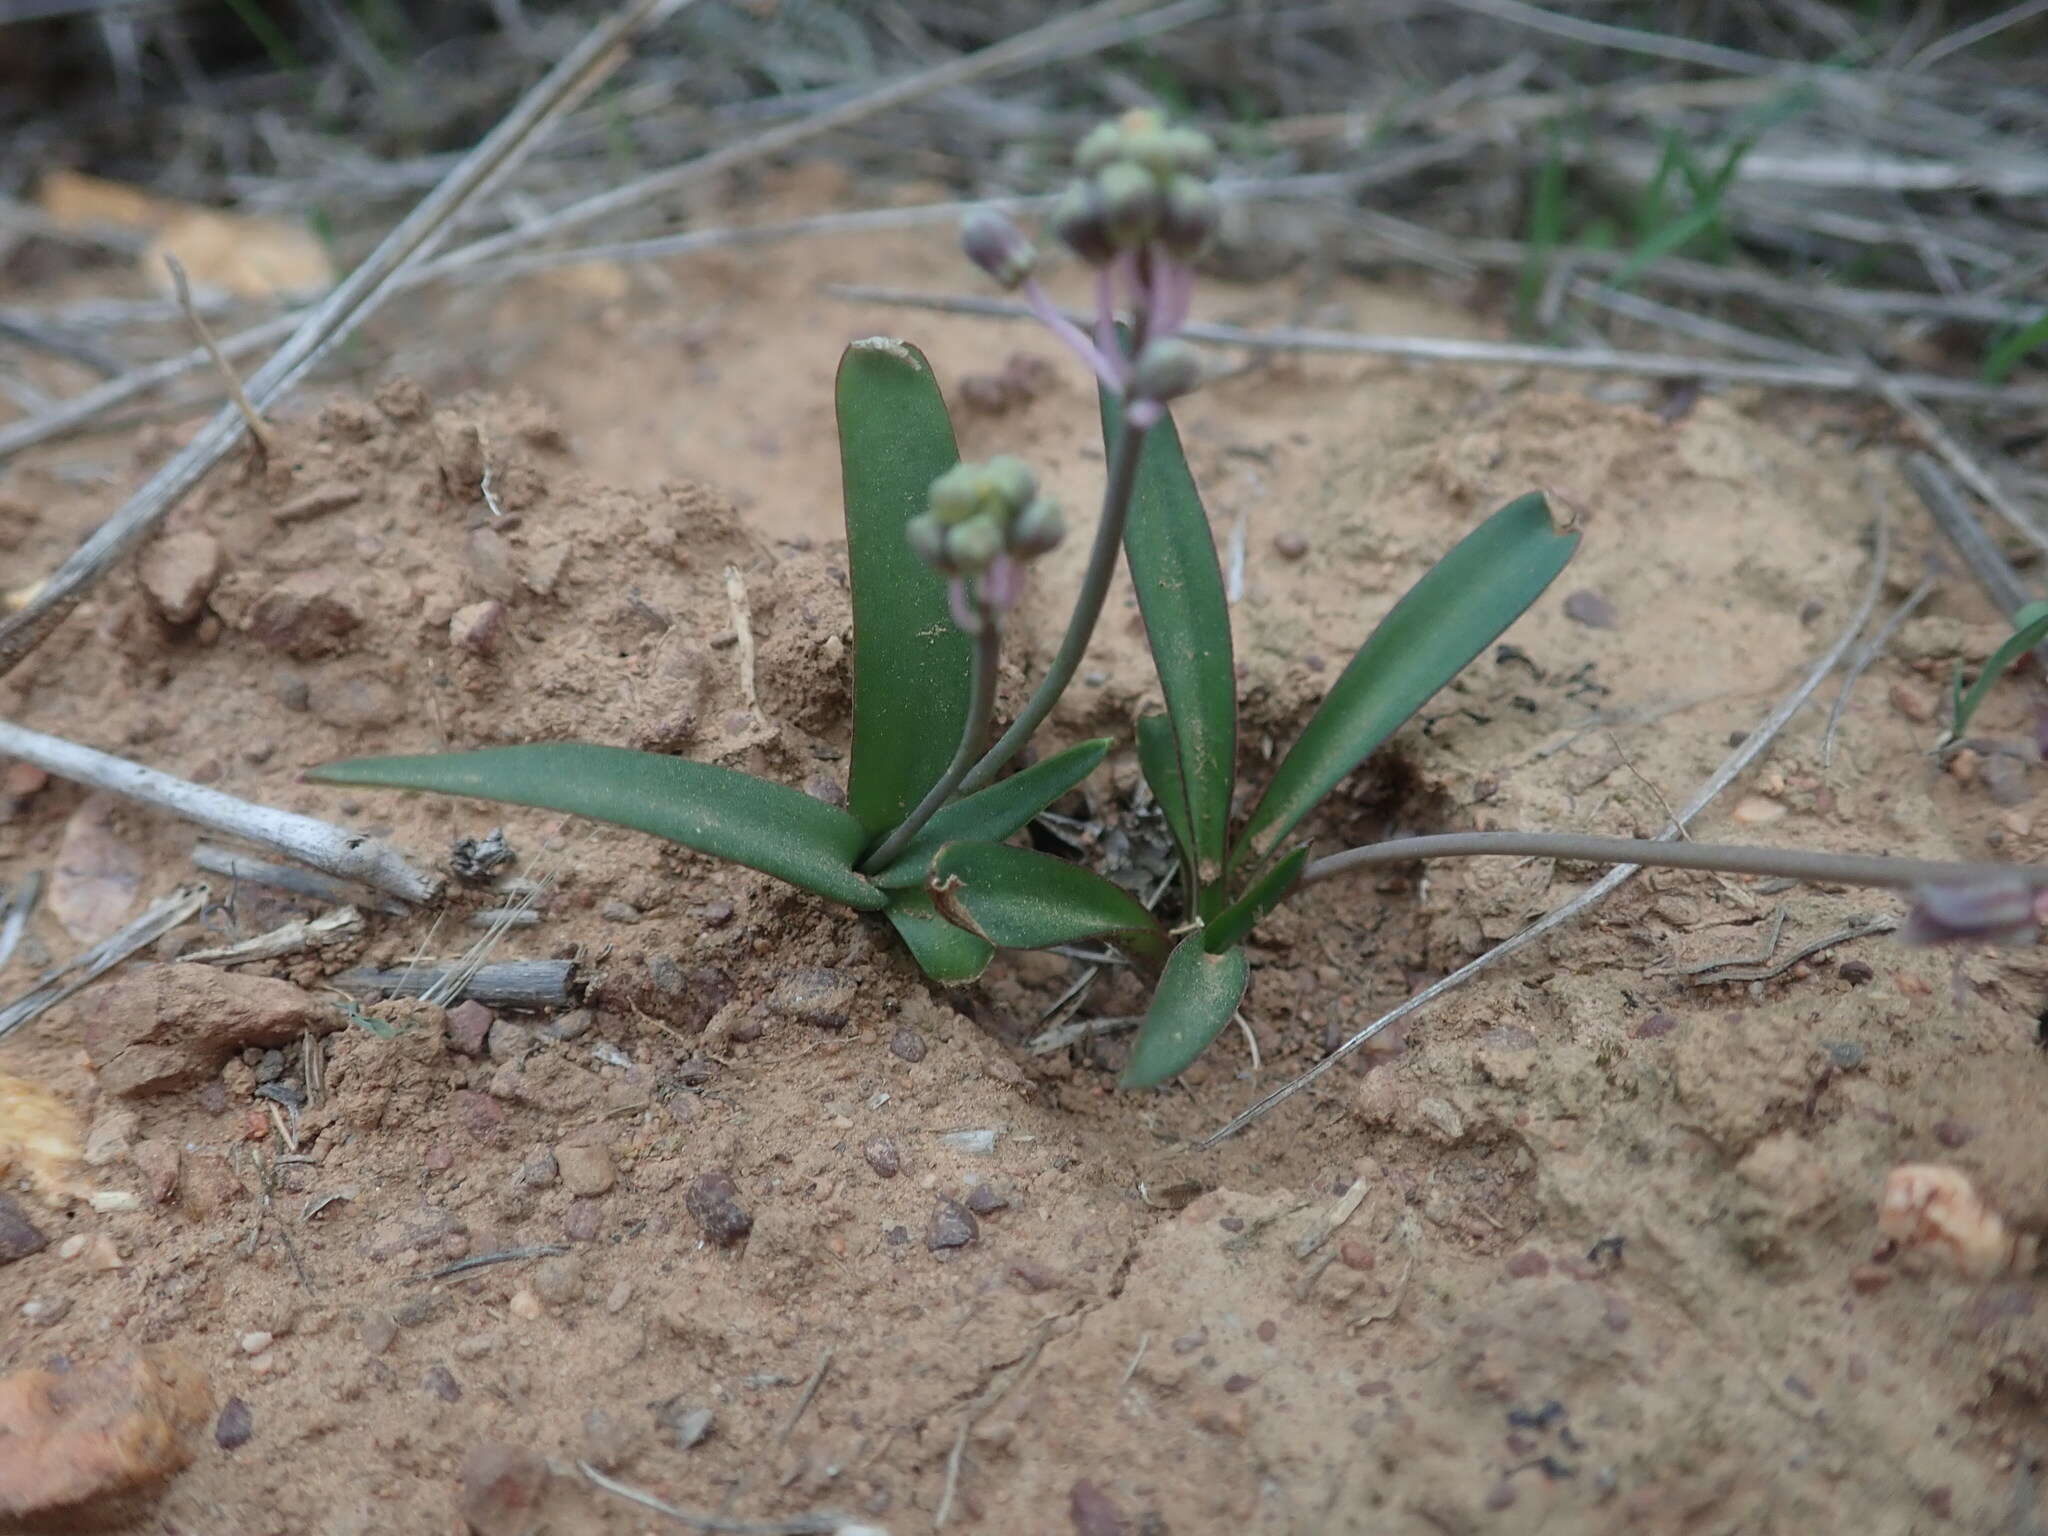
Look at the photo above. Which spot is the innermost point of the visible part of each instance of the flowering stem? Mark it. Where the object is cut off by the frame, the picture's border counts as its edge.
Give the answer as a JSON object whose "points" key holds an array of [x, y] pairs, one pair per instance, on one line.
{"points": [[1107, 367], [981, 705], [1727, 858], [1109, 538]]}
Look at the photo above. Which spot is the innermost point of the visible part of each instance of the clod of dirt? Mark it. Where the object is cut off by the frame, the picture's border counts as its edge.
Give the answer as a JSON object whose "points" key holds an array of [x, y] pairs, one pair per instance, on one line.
{"points": [[111, 1138], [952, 1226], [586, 1167], [19, 1237], [816, 996], [172, 1026], [501, 1488], [478, 628], [713, 1203], [86, 1449], [469, 1026], [178, 572], [303, 616], [1927, 1205]]}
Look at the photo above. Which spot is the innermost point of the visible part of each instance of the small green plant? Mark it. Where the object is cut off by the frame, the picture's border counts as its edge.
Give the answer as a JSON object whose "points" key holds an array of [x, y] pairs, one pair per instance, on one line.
{"points": [[2029, 629], [937, 555]]}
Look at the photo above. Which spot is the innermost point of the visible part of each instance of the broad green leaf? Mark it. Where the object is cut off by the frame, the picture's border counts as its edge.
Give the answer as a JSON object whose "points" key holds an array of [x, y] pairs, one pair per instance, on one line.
{"points": [[1158, 761], [944, 953], [1179, 583], [730, 815], [1448, 617], [912, 665], [1197, 994], [992, 814], [2030, 628], [1229, 927], [1017, 898]]}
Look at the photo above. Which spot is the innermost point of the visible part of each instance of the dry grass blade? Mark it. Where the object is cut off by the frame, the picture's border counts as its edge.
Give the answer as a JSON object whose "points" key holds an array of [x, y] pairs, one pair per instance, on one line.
{"points": [[801, 1525], [59, 983], [1503, 354], [1731, 768], [595, 57]]}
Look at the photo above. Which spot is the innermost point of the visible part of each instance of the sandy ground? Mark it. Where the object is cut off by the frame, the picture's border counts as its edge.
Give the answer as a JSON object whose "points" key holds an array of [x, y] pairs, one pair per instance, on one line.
{"points": [[1589, 1247]]}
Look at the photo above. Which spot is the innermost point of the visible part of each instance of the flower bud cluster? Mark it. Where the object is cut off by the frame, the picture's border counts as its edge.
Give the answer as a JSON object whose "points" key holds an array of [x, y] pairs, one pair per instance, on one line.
{"points": [[980, 513], [1140, 181]]}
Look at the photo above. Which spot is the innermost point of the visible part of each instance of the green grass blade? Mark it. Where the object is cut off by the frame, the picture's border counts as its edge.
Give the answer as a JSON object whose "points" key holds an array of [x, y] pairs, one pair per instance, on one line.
{"points": [[1197, 994], [1229, 928], [729, 815], [2000, 361], [944, 953], [1179, 582], [1017, 898], [2030, 628], [990, 815], [1547, 214], [1448, 617], [1159, 761], [912, 666]]}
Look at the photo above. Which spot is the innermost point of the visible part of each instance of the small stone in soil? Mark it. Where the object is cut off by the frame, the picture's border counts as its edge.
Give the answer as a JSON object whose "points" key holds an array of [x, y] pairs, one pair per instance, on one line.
{"points": [[983, 1201], [540, 1169], [19, 1237], [1289, 545], [1093, 1512], [607, 1442], [1856, 973], [1590, 609], [502, 1486], [616, 911], [469, 1026], [814, 995], [558, 1280], [377, 1331], [882, 1156], [685, 1426], [441, 1383], [586, 1167], [234, 1426], [508, 1041], [583, 1220], [907, 1045], [952, 1226], [43, 1311], [713, 1202], [570, 1026]]}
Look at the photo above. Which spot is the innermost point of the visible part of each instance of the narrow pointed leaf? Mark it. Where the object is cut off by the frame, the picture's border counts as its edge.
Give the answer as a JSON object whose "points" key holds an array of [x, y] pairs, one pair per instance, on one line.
{"points": [[730, 815], [1179, 583], [1229, 928], [1020, 899], [2030, 627], [990, 815], [944, 953], [1197, 994], [1448, 617], [1159, 761], [912, 665]]}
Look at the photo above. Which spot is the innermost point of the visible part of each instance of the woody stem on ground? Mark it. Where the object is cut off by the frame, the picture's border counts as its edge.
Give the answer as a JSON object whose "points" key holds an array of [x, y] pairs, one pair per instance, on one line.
{"points": [[1723, 858], [1109, 538], [981, 703]]}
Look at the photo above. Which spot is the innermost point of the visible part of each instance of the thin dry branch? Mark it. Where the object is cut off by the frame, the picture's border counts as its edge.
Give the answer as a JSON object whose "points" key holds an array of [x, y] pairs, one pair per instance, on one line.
{"points": [[259, 429], [340, 312], [336, 850], [61, 981], [1732, 767], [1501, 354]]}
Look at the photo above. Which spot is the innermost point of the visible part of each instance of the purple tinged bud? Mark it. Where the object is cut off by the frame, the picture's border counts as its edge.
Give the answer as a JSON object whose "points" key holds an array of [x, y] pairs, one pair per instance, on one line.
{"points": [[997, 246], [971, 545], [1002, 585], [1037, 529], [1010, 481], [1078, 221], [1188, 219], [1166, 370], [1130, 200], [1190, 151], [1989, 912], [1104, 143]]}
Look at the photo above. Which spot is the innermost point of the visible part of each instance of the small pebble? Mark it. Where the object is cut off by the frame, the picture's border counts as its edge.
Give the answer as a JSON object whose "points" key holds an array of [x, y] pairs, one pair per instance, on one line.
{"points": [[1855, 972], [1093, 1512], [377, 1331], [254, 1342], [1528, 1264], [501, 1490], [1238, 1382], [540, 1169], [1591, 609], [1953, 1133], [440, 1382], [234, 1426], [607, 1442], [618, 1296], [586, 1167], [42, 1311], [616, 911], [952, 1226], [573, 1025], [907, 1045], [476, 1346], [72, 1246], [468, 1026], [713, 1202], [558, 1280], [583, 1220], [1915, 703], [882, 1156], [524, 1305], [19, 1237], [983, 1201], [1289, 545], [1868, 1279], [508, 1041]]}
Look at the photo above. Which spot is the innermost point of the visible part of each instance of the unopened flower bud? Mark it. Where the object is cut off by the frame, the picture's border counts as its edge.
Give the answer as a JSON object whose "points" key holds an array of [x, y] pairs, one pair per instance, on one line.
{"points": [[1131, 204], [1188, 219], [1190, 151], [1009, 480], [1104, 143], [1989, 912], [1078, 221], [997, 246], [956, 495], [971, 545], [927, 537], [1038, 528], [1166, 370]]}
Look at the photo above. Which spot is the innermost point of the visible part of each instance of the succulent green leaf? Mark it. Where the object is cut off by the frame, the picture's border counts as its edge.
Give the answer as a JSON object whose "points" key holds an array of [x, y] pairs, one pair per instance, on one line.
{"points": [[1179, 583], [1159, 761], [990, 815], [1229, 928], [2030, 628], [1197, 994], [912, 665], [1448, 617], [1017, 898], [730, 815], [944, 953]]}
